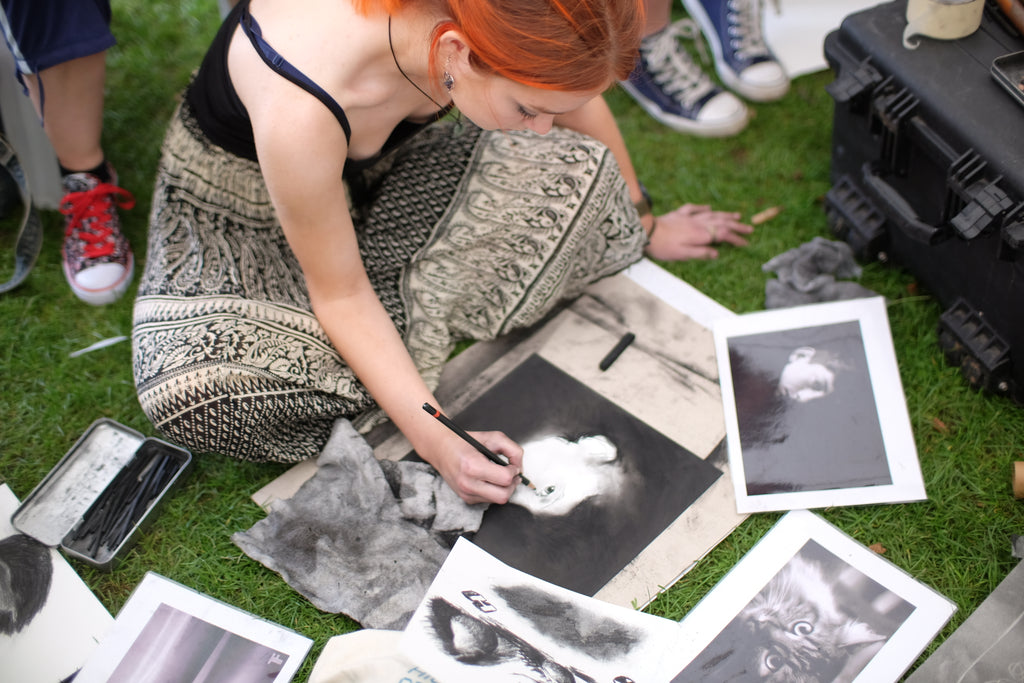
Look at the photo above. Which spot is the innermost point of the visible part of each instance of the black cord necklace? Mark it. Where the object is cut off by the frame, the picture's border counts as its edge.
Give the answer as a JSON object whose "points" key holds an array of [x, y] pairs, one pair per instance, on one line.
{"points": [[441, 109]]}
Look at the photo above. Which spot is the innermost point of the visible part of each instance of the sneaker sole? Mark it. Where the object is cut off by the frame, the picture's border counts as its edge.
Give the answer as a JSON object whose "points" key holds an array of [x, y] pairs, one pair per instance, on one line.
{"points": [[731, 79], [714, 129]]}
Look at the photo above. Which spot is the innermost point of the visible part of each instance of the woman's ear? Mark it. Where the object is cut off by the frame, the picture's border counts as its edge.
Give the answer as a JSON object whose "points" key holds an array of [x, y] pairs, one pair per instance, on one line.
{"points": [[453, 51]]}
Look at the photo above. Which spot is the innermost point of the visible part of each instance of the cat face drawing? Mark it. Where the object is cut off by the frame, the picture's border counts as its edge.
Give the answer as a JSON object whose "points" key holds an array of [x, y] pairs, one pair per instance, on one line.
{"points": [[792, 631], [798, 631]]}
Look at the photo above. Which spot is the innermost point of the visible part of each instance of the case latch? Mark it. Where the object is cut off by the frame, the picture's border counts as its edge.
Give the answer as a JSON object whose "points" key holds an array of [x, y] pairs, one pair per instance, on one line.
{"points": [[970, 342], [973, 203], [854, 86], [854, 219]]}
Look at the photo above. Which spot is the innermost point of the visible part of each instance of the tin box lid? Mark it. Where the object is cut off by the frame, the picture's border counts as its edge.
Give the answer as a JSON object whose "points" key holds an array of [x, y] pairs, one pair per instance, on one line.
{"points": [[66, 493]]}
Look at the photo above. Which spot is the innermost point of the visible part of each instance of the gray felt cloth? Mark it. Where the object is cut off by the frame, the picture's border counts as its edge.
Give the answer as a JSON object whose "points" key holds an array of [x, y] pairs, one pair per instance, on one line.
{"points": [[814, 272], [362, 537]]}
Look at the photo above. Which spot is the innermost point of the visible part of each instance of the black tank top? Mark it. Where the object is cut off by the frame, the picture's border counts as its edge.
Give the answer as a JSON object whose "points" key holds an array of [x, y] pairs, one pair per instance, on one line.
{"points": [[223, 118]]}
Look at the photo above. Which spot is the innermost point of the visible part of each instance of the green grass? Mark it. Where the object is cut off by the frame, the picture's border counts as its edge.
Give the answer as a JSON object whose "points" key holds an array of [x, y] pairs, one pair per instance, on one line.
{"points": [[957, 542]]}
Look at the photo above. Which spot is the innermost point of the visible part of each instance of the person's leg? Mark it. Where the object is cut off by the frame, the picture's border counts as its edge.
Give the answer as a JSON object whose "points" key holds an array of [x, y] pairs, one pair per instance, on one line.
{"points": [[658, 14], [734, 30], [60, 49], [73, 120], [672, 88], [227, 355]]}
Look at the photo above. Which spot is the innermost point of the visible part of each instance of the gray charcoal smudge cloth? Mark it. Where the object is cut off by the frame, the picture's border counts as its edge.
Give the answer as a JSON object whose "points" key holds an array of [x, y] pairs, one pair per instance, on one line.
{"points": [[808, 274], [362, 537]]}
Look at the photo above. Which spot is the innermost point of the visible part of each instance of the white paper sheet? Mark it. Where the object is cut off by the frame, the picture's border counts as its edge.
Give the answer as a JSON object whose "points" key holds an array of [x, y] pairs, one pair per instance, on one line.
{"points": [[796, 33]]}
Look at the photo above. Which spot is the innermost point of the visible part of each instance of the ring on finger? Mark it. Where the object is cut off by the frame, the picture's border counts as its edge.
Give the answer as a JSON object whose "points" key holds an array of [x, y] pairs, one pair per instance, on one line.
{"points": [[713, 232]]}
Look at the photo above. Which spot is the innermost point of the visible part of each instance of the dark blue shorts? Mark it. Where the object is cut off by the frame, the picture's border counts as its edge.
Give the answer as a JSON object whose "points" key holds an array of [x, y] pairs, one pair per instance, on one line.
{"points": [[49, 32]]}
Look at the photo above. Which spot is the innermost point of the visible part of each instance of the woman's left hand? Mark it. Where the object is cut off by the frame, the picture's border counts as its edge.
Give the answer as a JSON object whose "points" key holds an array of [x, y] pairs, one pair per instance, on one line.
{"points": [[690, 232]]}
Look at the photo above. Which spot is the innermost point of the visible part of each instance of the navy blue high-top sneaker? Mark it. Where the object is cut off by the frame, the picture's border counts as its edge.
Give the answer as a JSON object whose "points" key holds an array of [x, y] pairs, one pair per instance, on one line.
{"points": [[673, 89], [742, 59]]}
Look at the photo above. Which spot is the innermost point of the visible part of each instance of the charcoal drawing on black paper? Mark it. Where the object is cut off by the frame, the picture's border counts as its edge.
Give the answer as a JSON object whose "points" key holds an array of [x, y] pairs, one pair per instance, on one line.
{"points": [[641, 480]]}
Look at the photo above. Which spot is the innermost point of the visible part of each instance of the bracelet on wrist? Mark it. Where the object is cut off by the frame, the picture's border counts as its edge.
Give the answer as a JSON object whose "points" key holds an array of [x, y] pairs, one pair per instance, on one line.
{"points": [[644, 206]]}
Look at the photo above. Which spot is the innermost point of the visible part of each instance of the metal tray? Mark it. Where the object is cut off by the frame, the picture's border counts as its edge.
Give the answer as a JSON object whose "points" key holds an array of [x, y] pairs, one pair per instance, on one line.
{"points": [[1008, 71], [65, 497]]}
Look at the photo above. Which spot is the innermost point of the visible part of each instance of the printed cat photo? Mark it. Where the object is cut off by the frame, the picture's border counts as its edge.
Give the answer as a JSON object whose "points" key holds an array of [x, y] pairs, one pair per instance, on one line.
{"points": [[818, 620]]}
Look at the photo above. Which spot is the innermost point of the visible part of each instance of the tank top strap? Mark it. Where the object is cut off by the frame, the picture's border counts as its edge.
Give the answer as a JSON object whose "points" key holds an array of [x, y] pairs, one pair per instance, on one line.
{"points": [[286, 69]]}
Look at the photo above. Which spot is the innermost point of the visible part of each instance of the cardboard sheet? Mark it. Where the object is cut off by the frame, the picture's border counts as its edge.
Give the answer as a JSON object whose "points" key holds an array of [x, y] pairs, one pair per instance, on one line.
{"points": [[667, 379]]}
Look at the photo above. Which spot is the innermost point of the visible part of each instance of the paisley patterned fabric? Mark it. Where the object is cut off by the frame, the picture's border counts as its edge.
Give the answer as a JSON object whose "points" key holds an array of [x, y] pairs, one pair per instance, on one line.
{"points": [[465, 234]]}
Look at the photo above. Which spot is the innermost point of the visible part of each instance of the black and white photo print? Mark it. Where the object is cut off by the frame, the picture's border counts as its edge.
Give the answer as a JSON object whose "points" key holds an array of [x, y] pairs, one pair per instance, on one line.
{"points": [[814, 408], [185, 648], [817, 619], [809, 604], [171, 633]]}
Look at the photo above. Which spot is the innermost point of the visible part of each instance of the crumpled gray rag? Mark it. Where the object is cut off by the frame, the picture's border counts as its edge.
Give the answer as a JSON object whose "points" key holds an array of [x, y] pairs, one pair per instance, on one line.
{"points": [[356, 541], [807, 275]]}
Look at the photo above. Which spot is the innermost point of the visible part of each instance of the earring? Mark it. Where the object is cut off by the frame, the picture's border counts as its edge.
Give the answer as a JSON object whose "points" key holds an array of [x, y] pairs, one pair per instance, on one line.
{"points": [[448, 81]]}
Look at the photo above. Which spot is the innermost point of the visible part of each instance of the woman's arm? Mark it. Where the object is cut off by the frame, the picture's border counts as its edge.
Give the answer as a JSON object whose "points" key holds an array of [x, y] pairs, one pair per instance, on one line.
{"points": [[684, 233], [301, 150]]}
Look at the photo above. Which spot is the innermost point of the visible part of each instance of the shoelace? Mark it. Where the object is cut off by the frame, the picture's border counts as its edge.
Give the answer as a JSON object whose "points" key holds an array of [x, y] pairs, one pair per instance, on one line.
{"points": [[745, 28], [672, 68], [89, 214]]}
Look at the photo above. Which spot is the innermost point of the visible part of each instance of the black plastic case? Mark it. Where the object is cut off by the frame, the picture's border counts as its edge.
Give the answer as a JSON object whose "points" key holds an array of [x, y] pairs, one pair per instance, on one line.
{"points": [[928, 173]]}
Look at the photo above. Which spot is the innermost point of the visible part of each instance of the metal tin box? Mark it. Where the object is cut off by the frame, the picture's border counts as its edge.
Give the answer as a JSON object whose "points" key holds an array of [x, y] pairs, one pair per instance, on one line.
{"points": [[97, 500], [1008, 70]]}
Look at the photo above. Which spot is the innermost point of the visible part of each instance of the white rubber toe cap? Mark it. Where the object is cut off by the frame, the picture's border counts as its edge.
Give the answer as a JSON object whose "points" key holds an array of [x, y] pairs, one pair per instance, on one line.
{"points": [[722, 115], [763, 82], [101, 284]]}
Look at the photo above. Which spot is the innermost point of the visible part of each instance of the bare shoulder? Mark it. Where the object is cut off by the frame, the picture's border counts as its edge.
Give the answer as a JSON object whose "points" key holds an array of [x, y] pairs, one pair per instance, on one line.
{"points": [[346, 54], [325, 40]]}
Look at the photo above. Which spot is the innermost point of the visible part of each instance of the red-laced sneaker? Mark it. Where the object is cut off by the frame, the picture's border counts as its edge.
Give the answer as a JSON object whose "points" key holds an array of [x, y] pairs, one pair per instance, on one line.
{"points": [[98, 262]]}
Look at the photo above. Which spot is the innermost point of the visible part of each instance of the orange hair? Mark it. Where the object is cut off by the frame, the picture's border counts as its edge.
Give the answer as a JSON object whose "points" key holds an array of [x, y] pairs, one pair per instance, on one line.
{"points": [[566, 45]]}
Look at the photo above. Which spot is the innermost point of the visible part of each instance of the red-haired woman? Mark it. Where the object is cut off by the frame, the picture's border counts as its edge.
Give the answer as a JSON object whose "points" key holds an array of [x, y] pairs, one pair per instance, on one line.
{"points": [[316, 249]]}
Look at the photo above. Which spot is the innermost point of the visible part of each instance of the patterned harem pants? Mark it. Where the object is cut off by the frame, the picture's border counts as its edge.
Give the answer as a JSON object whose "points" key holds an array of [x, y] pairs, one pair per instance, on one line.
{"points": [[465, 235]]}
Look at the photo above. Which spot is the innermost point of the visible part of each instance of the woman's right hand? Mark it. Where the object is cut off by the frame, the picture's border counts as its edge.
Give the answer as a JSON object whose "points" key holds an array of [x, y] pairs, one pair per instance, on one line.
{"points": [[471, 475]]}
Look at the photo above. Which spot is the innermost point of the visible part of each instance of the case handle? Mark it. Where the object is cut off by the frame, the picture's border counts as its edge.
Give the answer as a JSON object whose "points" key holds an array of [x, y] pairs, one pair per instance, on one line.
{"points": [[898, 210]]}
